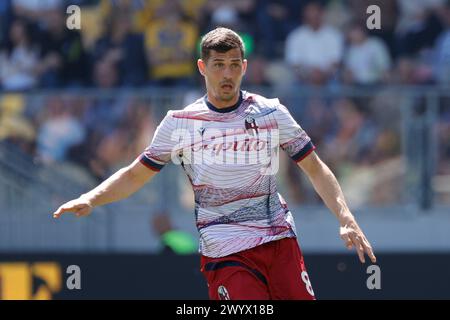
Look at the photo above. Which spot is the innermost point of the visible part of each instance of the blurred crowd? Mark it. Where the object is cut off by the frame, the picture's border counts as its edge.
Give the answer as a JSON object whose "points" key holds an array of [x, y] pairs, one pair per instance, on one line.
{"points": [[136, 43], [289, 43]]}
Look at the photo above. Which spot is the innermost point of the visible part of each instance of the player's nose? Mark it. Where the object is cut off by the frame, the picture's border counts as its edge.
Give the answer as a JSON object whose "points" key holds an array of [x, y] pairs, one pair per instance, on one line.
{"points": [[227, 73]]}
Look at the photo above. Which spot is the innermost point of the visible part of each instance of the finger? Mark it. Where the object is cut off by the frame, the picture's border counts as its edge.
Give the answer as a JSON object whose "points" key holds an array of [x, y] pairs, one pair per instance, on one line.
{"points": [[56, 214], [368, 249], [360, 251], [82, 212], [59, 212], [349, 245], [359, 248], [65, 208], [348, 242]]}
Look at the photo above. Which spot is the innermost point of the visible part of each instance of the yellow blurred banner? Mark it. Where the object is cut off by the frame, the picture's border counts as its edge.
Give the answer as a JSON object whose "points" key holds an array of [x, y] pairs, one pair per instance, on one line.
{"points": [[17, 278]]}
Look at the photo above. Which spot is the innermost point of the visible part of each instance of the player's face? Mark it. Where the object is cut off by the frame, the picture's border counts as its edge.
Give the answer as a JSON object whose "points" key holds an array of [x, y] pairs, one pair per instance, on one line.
{"points": [[223, 74]]}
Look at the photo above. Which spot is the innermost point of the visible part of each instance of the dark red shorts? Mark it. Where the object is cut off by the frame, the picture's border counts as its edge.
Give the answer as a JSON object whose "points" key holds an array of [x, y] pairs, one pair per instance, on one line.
{"points": [[274, 270]]}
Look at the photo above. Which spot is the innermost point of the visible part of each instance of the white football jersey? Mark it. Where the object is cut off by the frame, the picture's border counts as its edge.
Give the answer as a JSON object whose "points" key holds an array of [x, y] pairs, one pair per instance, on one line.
{"points": [[231, 157]]}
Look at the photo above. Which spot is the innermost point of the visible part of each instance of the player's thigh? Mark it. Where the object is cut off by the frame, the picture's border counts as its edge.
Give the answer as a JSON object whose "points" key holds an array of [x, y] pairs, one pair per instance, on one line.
{"points": [[235, 283], [289, 277]]}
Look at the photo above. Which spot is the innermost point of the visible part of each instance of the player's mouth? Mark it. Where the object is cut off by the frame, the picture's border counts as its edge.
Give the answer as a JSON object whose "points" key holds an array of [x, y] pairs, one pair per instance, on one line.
{"points": [[227, 86]]}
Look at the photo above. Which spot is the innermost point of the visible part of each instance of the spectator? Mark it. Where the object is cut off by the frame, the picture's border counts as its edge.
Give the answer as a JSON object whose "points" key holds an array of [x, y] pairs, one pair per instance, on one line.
{"points": [[389, 13], [101, 118], [192, 10], [170, 45], [64, 58], [138, 10], [58, 131], [244, 9], [419, 25], [228, 16], [105, 108], [275, 19], [304, 44], [123, 48], [367, 60], [106, 150], [353, 138], [19, 59]]}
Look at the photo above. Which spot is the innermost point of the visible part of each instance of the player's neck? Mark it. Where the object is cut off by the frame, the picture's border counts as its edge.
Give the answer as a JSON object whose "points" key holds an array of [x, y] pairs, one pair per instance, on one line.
{"points": [[228, 107], [221, 104]]}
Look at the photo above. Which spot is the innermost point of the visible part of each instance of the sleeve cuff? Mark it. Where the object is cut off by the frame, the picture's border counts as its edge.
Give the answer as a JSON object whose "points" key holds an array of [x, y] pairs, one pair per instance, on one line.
{"points": [[152, 165], [302, 154]]}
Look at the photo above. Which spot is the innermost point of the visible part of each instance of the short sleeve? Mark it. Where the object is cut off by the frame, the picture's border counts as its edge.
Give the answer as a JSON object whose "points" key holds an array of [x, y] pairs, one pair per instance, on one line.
{"points": [[293, 139], [159, 152]]}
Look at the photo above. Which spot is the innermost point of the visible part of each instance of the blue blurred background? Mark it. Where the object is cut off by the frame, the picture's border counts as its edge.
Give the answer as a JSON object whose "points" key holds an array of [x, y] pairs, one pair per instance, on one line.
{"points": [[76, 105]]}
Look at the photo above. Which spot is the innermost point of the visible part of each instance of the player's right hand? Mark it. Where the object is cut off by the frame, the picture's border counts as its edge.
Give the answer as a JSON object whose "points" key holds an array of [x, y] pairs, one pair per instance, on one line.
{"points": [[81, 207]]}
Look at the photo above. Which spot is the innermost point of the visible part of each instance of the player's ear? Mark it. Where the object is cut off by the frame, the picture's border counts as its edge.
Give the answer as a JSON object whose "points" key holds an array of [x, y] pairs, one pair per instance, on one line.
{"points": [[201, 66], [244, 66]]}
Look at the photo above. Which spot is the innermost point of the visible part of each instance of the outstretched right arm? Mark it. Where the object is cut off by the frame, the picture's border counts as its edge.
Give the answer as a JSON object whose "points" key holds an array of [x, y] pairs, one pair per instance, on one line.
{"points": [[120, 185]]}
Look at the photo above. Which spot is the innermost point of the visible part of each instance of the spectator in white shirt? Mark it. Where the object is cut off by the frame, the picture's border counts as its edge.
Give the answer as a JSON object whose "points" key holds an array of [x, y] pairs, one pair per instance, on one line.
{"points": [[367, 59], [314, 49], [18, 59]]}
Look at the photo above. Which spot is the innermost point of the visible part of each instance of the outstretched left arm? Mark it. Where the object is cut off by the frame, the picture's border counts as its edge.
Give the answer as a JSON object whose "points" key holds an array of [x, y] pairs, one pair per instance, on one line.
{"points": [[327, 186]]}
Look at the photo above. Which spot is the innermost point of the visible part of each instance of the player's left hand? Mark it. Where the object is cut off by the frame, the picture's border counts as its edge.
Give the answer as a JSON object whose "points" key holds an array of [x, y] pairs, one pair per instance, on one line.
{"points": [[353, 236]]}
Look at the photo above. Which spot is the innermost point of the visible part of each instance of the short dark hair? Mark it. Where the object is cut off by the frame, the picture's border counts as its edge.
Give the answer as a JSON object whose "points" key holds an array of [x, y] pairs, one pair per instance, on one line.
{"points": [[221, 40]]}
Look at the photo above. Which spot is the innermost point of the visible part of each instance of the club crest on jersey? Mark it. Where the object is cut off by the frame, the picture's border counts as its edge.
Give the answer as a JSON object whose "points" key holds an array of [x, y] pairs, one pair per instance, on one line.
{"points": [[223, 293], [201, 130], [250, 123]]}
